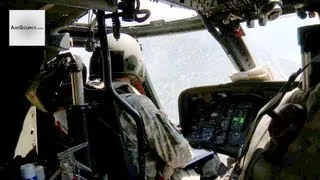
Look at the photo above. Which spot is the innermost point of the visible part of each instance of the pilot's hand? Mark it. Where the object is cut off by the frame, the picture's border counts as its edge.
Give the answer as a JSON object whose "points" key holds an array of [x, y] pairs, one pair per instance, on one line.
{"points": [[167, 172]]}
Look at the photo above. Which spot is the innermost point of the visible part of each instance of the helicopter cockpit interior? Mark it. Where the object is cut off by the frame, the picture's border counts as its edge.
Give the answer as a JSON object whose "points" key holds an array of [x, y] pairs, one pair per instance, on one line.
{"points": [[220, 118]]}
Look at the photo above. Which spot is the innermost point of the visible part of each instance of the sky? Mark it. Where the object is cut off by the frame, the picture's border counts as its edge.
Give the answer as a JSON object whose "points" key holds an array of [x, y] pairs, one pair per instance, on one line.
{"points": [[180, 61], [176, 62], [273, 41], [276, 44]]}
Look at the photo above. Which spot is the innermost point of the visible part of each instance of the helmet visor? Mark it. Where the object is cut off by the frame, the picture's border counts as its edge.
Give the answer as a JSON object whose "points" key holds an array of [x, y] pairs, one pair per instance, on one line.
{"points": [[117, 61]]}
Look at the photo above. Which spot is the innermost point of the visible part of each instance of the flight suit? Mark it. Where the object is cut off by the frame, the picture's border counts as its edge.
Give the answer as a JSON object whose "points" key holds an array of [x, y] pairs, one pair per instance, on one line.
{"points": [[165, 142], [302, 157], [166, 145], [167, 150]]}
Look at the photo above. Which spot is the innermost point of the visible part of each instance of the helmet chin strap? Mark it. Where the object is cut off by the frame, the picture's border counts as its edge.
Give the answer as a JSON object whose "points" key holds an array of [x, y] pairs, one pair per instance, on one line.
{"points": [[139, 87], [135, 85]]}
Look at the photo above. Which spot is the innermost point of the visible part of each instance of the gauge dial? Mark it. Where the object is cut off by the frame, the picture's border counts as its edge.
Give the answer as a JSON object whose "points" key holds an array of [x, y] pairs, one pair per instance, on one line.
{"points": [[224, 124], [220, 137], [234, 138], [205, 134], [214, 118]]}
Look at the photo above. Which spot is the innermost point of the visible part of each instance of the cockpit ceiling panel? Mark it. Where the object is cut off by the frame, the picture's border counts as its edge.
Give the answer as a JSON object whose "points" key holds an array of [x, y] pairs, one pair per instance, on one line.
{"points": [[239, 9], [60, 13], [59, 16], [107, 5]]}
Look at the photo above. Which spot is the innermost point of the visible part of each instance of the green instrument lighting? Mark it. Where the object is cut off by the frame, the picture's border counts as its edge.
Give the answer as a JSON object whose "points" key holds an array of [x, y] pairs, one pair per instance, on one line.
{"points": [[241, 120], [238, 120]]}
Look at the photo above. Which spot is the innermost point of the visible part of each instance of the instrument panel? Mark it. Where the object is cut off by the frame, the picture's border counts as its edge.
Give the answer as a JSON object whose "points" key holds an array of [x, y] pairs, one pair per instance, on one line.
{"points": [[219, 120], [223, 123]]}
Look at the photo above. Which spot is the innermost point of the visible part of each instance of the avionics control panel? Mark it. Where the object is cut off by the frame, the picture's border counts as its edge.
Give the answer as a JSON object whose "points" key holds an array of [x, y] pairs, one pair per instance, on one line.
{"points": [[219, 117]]}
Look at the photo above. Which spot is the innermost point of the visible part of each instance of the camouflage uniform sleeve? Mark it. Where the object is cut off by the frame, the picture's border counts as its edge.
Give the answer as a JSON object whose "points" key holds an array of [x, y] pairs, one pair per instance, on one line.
{"points": [[313, 104], [163, 137]]}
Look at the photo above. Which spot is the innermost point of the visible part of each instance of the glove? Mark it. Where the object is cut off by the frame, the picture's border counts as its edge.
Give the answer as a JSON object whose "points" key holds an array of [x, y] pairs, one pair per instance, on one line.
{"points": [[167, 172]]}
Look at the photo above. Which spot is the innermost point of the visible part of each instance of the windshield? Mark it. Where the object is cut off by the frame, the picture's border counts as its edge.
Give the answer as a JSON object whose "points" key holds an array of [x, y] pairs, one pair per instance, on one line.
{"points": [[176, 62], [179, 61], [276, 44]]}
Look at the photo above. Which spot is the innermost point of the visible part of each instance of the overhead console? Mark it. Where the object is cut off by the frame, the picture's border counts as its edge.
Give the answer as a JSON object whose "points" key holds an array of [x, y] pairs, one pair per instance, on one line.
{"points": [[218, 117]]}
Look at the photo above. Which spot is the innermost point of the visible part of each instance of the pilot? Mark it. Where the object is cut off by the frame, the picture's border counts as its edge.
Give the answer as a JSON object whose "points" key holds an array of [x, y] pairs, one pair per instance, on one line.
{"points": [[167, 146], [286, 148]]}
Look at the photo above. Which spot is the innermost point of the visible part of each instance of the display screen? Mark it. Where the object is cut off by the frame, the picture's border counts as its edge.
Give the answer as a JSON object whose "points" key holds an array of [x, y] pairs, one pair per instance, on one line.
{"points": [[222, 123], [218, 117]]}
